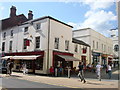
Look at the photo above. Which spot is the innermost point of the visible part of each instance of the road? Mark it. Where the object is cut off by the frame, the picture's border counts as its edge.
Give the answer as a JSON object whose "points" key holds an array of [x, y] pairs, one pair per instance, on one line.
{"points": [[10, 82]]}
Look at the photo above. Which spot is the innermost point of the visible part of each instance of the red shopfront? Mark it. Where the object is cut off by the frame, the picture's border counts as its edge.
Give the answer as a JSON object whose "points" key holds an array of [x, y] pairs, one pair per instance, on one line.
{"points": [[33, 60]]}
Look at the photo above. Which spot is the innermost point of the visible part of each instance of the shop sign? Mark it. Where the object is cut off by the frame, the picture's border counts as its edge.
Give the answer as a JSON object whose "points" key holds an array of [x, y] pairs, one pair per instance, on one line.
{"points": [[95, 54]]}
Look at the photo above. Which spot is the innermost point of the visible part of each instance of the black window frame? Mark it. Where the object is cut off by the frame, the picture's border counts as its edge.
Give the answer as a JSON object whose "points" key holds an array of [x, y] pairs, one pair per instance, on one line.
{"points": [[37, 42]]}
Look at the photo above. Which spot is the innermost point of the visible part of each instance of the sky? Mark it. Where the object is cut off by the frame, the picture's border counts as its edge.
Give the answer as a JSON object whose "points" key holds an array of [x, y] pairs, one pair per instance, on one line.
{"points": [[96, 14]]}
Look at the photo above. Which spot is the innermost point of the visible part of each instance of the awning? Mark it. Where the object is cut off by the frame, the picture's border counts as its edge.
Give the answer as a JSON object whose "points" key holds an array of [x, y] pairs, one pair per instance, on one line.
{"points": [[68, 58], [6, 57], [22, 57]]}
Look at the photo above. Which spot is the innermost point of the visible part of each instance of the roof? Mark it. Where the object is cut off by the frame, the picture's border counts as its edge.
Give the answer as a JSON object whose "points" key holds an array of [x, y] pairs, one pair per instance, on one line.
{"points": [[13, 21], [49, 18], [79, 42], [81, 29]]}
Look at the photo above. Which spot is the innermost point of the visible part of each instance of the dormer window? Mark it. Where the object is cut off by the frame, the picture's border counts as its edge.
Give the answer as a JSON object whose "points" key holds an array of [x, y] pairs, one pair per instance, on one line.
{"points": [[26, 29], [4, 35], [38, 26], [11, 33]]}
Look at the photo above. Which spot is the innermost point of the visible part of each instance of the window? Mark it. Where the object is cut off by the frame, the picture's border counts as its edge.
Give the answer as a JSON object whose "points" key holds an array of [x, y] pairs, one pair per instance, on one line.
{"points": [[10, 47], [24, 46], [4, 35], [66, 45], [56, 43], [26, 29], [102, 47], [37, 42], [97, 45], [93, 44], [84, 50], [39, 64], [3, 46], [11, 33], [116, 48], [38, 25], [76, 48]]}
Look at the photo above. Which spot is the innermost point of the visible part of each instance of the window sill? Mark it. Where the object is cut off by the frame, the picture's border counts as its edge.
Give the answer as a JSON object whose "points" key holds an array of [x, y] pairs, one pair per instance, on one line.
{"points": [[4, 38], [11, 36], [38, 30]]}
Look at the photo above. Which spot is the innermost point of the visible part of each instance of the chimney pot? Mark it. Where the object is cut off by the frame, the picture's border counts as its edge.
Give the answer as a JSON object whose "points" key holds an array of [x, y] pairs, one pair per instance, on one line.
{"points": [[30, 15], [13, 11]]}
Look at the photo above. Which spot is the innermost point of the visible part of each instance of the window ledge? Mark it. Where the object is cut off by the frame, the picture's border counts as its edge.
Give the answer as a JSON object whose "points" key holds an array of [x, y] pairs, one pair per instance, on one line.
{"points": [[25, 33]]}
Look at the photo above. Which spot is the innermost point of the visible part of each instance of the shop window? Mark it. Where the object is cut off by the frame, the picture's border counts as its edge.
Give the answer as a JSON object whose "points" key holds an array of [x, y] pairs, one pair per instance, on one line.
{"points": [[39, 64], [29, 64], [56, 43]]}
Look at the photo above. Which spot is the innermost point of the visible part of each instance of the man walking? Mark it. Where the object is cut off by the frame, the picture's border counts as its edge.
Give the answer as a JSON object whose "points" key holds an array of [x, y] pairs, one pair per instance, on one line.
{"points": [[80, 74], [98, 69]]}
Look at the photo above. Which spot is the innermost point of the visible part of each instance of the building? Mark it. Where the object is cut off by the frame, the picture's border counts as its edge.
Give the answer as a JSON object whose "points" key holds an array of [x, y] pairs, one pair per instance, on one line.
{"points": [[39, 43], [114, 37], [101, 46]]}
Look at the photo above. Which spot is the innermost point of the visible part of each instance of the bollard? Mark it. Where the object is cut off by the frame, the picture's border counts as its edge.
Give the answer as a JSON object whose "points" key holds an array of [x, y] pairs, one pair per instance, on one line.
{"points": [[68, 72]]}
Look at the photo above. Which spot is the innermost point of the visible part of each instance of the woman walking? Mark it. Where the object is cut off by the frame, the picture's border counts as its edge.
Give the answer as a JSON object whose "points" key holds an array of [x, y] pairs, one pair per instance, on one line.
{"points": [[109, 68]]}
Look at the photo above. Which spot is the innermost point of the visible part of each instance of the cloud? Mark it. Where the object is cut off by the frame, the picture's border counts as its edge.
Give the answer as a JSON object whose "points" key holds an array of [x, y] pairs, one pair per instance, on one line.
{"points": [[98, 4], [97, 17], [1, 10]]}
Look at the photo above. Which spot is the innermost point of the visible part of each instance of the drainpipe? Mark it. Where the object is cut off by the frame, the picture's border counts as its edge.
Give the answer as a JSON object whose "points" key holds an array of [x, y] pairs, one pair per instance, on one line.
{"points": [[48, 45]]}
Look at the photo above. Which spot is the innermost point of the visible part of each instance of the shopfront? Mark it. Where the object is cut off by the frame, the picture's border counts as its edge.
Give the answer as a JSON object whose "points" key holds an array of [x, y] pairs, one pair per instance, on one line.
{"points": [[33, 60], [104, 59], [96, 57], [64, 60]]}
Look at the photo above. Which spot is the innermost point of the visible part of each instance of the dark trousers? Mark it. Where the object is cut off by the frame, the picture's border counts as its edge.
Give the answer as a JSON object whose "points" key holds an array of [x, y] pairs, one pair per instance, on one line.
{"points": [[81, 76]]}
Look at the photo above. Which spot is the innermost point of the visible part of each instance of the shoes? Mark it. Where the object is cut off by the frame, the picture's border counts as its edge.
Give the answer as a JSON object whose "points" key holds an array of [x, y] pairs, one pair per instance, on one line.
{"points": [[84, 81]]}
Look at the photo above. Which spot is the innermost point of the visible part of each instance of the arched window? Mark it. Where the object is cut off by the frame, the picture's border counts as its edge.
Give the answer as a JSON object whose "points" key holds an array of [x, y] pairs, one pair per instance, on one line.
{"points": [[116, 48]]}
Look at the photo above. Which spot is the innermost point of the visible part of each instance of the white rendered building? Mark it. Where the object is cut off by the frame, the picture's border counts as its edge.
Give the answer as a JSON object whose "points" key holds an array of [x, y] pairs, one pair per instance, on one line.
{"points": [[101, 46]]}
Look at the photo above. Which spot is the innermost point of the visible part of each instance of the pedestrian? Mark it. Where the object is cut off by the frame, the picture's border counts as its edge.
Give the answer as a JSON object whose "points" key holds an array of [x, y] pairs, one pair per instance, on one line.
{"points": [[81, 74], [51, 71], [24, 68], [60, 71], [98, 70], [109, 68], [9, 66]]}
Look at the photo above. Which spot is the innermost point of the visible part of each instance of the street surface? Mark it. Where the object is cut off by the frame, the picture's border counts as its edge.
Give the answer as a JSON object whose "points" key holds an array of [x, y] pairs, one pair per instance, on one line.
{"points": [[18, 80]]}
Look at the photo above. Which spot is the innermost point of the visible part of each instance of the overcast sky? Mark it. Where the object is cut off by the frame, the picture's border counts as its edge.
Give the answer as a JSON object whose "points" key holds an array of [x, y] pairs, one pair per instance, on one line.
{"points": [[96, 14]]}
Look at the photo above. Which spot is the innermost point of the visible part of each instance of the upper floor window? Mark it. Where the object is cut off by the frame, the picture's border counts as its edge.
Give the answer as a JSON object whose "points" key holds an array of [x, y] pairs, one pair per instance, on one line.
{"points": [[84, 49], [37, 42], [24, 44], [10, 47], [93, 44], [56, 43], [66, 45], [3, 46], [97, 45], [4, 35], [102, 47], [26, 29], [76, 48], [116, 48], [11, 34], [38, 26]]}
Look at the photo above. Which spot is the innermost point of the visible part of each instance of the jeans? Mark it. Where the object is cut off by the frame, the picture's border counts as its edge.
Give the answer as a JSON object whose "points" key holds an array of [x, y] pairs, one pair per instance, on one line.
{"points": [[109, 74], [81, 75]]}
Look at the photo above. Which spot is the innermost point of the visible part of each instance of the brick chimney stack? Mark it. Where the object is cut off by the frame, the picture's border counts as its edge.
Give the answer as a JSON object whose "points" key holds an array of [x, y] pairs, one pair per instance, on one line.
{"points": [[30, 15], [12, 11]]}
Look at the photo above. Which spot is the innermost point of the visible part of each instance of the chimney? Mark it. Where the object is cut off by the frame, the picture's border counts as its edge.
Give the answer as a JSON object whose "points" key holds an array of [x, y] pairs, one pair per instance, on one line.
{"points": [[12, 11], [30, 15]]}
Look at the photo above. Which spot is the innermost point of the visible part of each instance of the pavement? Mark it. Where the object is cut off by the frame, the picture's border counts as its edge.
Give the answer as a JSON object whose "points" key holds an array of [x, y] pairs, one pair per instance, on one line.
{"points": [[72, 82]]}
